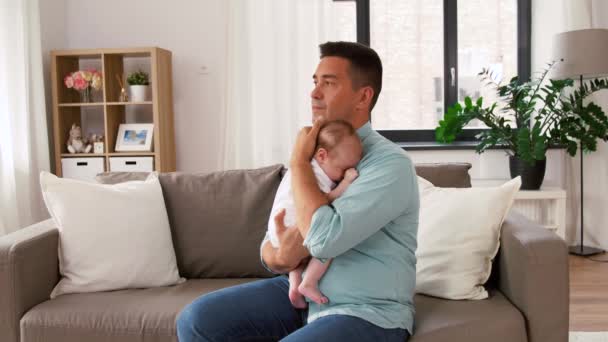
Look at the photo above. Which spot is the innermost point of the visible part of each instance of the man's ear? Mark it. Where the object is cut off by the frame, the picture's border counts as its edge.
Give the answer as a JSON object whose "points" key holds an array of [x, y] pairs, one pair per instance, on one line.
{"points": [[365, 97]]}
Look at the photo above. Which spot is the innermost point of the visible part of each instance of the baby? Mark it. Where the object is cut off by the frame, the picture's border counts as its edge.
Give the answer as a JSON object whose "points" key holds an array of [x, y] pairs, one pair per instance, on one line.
{"points": [[338, 151]]}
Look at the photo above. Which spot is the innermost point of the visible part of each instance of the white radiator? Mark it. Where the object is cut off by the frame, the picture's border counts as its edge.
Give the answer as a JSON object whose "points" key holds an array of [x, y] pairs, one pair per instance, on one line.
{"points": [[546, 206]]}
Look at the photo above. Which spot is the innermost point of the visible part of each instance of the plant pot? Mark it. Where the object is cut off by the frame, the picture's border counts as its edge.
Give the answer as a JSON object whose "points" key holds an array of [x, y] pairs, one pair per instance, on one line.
{"points": [[532, 175], [138, 93]]}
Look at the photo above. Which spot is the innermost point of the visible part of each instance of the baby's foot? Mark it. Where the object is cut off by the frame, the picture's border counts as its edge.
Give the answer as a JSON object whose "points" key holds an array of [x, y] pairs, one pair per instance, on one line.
{"points": [[296, 298], [312, 291]]}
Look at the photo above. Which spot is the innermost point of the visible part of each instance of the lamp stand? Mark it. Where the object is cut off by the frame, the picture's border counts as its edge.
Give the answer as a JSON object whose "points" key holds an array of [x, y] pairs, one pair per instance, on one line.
{"points": [[581, 249]]}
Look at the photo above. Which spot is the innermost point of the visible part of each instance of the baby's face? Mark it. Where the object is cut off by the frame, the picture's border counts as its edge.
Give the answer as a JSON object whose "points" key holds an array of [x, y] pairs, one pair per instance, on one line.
{"points": [[343, 157]]}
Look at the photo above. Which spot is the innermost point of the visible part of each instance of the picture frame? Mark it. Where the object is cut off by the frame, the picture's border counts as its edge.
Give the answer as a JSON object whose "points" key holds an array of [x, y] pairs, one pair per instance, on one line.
{"points": [[134, 137]]}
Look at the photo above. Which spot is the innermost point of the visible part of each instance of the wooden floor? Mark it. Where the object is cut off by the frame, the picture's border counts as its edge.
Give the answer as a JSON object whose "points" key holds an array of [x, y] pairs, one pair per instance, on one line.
{"points": [[588, 293]]}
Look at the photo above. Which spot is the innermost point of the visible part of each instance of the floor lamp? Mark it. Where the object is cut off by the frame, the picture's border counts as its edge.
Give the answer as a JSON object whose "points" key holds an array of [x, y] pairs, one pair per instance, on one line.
{"points": [[584, 53]]}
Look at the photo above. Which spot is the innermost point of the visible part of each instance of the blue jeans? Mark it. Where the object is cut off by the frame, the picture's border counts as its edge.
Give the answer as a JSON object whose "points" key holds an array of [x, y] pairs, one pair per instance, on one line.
{"points": [[261, 311]]}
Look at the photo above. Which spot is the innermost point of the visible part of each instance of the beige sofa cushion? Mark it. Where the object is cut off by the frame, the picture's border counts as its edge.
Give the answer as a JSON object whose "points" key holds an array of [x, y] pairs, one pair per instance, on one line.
{"points": [[118, 316], [218, 220]]}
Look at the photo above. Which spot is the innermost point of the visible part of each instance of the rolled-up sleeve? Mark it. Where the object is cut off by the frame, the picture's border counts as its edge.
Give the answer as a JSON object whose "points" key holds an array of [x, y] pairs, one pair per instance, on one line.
{"points": [[377, 197]]}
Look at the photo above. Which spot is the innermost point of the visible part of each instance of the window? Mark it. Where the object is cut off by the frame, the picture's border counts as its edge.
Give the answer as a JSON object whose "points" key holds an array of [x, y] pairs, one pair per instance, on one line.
{"points": [[432, 51]]}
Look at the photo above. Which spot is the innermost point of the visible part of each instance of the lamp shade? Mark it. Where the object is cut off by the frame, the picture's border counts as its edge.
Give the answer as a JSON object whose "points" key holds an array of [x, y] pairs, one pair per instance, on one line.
{"points": [[584, 52]]}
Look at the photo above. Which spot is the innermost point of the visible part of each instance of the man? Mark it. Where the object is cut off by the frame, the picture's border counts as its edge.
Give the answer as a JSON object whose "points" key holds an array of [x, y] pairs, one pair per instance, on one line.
{"points": [[370, 232]]}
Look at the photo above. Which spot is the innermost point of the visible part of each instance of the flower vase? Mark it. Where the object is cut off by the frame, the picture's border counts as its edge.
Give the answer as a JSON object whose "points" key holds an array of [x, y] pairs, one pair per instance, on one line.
{"points": [[86, 96]]}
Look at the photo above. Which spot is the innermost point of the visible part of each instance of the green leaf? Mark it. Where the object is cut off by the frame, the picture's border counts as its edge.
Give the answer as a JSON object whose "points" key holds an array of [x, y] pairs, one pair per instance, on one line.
{"points": [[138, 78], [524, 144], [540, 148], [467, 102]]}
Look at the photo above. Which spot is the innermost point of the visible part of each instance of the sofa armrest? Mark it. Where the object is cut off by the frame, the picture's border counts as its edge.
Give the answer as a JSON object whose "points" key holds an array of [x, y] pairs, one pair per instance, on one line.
{"points": [[28, 272], [533, 275]]}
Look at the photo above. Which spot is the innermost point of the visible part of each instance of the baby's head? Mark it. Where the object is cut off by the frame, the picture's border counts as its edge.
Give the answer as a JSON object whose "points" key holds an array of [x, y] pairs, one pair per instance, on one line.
{"points": [[338, 148]]}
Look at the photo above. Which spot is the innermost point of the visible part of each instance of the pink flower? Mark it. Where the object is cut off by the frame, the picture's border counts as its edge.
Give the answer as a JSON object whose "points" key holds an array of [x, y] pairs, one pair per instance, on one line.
{"points": [[77, 75], [68, 81], [80, 83]]}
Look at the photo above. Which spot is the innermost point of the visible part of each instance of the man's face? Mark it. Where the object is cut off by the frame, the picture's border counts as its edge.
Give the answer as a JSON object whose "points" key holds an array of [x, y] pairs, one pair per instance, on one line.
{"points": [[333, 96]]}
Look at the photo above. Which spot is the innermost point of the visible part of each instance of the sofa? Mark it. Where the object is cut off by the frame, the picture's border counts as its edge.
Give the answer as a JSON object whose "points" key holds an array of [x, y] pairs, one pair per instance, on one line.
{"points": [[217, 222]]}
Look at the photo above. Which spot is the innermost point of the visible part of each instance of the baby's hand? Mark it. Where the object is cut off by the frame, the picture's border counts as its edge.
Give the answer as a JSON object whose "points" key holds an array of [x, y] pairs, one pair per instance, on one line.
{"points": [[350, 175]]}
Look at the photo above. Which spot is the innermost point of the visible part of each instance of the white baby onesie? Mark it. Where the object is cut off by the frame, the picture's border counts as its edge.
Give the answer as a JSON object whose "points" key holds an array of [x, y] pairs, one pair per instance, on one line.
{"points": [[284, 199]]}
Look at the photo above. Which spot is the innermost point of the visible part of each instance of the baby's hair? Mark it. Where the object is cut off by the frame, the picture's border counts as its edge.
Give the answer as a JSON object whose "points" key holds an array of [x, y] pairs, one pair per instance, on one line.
{"points": [[332, 133]]}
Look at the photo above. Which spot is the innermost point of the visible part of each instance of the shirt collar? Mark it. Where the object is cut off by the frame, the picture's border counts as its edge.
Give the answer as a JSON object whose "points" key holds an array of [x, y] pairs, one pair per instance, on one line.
{"points": [[364, 130]]}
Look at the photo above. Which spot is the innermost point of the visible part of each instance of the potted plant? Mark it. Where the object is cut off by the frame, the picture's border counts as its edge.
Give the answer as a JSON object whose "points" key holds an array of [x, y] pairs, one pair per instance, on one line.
{"points": [[138, 85], [530, 117]]}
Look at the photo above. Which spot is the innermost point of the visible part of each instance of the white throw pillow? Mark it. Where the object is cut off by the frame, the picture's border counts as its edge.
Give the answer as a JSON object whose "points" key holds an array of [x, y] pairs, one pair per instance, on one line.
{"points": [[110, 236], [458, 237]]}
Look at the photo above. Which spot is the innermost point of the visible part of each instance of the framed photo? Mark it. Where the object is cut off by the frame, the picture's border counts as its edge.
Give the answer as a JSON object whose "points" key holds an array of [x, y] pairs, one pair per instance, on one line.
{"points": [[134, 137]]}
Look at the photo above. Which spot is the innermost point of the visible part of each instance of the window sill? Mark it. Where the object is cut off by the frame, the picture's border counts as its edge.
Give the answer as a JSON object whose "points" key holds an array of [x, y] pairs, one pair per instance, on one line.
{"points": [[432, 145], [457, 145]]}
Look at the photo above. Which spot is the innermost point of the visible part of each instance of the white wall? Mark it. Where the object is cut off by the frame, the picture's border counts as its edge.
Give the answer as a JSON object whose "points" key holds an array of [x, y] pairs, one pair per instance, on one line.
{"points": [[195, 31]]}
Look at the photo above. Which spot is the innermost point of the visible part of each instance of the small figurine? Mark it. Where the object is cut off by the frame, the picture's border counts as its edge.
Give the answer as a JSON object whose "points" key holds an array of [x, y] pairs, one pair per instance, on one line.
{"points": [[76, 143]]}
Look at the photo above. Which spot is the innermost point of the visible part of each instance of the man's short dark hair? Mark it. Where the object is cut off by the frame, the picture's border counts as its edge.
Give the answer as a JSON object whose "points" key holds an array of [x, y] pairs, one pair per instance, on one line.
{"points": [[365, 64]]}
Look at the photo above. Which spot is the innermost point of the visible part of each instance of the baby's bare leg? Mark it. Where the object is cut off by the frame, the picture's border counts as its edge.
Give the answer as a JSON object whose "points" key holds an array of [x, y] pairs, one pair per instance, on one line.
{"points": [[310, 285], [295, 279]]}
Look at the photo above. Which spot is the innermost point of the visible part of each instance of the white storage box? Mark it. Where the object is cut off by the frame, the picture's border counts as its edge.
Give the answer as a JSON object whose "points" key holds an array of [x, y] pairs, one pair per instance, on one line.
{"points": [[132, 164], [82, 168]]}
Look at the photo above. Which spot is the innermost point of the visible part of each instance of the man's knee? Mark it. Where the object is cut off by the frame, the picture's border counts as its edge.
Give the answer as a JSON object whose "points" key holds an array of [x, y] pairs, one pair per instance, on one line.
{"points": [[185, 323], [196, 321]]}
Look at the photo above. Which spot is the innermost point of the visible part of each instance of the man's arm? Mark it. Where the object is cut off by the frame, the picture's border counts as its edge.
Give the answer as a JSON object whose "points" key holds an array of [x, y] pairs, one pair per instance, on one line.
{"points": [[307, 195], [379, 196], [269, 259]]}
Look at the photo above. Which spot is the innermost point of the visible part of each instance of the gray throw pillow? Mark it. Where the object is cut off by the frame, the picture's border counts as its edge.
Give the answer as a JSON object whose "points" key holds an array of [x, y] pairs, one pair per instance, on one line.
{"points": [[219, 219], [445, 175]]}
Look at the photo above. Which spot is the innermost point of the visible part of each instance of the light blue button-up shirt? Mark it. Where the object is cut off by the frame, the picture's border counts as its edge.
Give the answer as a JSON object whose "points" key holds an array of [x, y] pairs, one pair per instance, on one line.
{"points": [[370, 232]]}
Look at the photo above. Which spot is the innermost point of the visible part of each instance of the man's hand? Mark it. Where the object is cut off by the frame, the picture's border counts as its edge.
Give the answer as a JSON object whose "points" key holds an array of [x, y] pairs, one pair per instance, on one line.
{"points": [[306, 141], [290, 252]]}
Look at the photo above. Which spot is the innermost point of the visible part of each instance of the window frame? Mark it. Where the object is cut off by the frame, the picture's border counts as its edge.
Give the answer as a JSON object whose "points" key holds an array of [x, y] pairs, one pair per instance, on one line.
{"points": [[450, 59]]}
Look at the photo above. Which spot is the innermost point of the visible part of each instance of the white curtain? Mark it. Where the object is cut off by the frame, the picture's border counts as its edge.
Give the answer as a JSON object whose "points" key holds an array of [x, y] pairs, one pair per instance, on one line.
{"points": [[272, 49], [24, 149]]}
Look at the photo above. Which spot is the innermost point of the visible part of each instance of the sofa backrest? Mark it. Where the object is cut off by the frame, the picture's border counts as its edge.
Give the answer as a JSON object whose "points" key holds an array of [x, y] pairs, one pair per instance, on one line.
{"points": [[218, 219], [446, 175]]}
